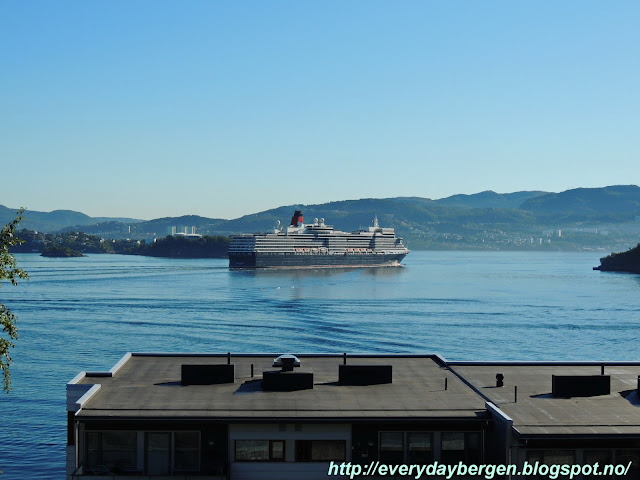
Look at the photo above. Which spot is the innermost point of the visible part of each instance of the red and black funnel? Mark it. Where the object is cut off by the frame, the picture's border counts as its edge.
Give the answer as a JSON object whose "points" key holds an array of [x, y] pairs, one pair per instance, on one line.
{"points": [[297, 218]]}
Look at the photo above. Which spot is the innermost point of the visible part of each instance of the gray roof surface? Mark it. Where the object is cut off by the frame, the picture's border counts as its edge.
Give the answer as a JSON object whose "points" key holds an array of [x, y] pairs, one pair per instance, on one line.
{"points": [[148, 386], [536, 413]]}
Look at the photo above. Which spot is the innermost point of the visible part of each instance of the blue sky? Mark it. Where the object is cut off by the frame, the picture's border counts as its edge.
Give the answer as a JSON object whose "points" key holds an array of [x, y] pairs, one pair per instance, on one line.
{"points": [[149, 109]]}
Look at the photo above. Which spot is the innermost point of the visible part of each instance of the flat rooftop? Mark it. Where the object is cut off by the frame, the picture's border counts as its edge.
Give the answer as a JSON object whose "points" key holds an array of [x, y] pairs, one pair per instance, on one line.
{"points": [[149, 386], [537, 414]]}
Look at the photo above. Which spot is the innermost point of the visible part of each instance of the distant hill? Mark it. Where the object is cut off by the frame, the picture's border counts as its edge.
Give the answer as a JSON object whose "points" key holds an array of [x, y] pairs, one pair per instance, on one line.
{"points": [[53, 221], [161, 224], [44, 221], [489, 199], [117, 219], [158, 227], [614, 204], [597, 218], [404, 214]]}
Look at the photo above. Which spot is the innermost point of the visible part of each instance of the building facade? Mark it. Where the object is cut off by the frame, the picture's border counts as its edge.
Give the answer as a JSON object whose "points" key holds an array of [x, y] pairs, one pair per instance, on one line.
{"points": [[211, 416]]}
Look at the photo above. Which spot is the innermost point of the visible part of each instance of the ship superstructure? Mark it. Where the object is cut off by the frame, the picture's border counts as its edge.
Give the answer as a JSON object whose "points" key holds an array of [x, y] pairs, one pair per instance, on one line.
{"points": [[316, 245]]}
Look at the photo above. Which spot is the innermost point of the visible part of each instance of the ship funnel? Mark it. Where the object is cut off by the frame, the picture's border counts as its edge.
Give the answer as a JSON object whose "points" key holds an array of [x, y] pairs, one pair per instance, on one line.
{"points": [[297, 218]]}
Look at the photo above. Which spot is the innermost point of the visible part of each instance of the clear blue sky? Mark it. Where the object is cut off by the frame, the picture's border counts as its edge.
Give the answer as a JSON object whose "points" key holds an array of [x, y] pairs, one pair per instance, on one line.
{"points": [[223, 108]]}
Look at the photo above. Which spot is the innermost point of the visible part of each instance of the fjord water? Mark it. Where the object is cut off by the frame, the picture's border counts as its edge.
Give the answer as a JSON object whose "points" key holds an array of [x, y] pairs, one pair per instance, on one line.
{"points": [[85, 313]]}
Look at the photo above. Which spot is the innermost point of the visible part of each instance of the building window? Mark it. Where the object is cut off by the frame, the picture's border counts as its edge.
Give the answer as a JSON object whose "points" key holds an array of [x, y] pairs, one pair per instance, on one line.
{"points": [[259, 451], [116, 450], [602, 457], [186, 452], [461, 447], [623, 457], [551, 457], [321, 450], [452, 447], [164, 452], [473, 447], [392, 447], [419, 446], [158, 453]]}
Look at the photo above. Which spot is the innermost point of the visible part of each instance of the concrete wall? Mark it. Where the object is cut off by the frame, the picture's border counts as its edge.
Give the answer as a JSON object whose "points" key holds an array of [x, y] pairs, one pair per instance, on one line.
{"points": [[498, 438]]}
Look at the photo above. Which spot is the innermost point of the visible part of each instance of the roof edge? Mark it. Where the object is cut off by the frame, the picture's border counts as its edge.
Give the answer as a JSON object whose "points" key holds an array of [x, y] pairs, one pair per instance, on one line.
{"points": [[550, 363]]}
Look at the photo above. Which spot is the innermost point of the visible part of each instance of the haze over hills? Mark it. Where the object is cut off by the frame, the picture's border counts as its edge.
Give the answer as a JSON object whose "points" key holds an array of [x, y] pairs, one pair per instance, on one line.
{"points": [[469, 219]]}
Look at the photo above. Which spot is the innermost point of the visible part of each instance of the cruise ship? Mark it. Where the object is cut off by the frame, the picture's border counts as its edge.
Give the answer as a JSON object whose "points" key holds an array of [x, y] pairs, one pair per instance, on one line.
{"points": [[316, 245]]}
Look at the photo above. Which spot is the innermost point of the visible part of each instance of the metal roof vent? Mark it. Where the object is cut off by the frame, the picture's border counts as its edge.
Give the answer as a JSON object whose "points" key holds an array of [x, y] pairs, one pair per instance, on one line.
{"points": [[286, 380], [287, 362]]}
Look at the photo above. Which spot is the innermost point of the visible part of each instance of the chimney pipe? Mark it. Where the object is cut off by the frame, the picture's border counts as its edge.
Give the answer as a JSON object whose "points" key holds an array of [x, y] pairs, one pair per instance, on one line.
{"points": [[287, 364]]}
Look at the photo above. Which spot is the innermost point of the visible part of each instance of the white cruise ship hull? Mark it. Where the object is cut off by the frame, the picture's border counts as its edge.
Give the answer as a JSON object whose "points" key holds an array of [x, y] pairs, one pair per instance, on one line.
{"points": [[292, 260]]}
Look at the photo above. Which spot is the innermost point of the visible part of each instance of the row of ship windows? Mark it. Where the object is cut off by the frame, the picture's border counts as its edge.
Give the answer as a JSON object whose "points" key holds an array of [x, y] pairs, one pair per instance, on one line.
{"points": [[318, 245], [315, 239], [289, 252]]}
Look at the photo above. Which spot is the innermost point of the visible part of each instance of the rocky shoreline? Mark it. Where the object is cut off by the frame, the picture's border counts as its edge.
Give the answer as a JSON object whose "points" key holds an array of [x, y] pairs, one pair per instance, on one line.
{"points": [[628, 261]]}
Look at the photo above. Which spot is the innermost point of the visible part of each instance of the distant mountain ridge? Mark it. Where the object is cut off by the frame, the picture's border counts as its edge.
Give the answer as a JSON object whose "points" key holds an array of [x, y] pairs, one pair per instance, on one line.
{"points": [[619, 202], [55, 220], [414, 217], [490, 199]]}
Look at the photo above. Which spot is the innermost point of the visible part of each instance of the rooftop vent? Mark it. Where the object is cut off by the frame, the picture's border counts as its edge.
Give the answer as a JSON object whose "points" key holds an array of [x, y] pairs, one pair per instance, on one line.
{"points": [[287, 361], [580, 385], [207, 374], [286, 379], [364, 374]]}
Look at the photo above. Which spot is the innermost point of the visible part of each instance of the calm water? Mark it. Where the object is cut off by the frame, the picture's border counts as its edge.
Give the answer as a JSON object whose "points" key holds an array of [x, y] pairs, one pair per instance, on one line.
{"points": [[84, 314]]}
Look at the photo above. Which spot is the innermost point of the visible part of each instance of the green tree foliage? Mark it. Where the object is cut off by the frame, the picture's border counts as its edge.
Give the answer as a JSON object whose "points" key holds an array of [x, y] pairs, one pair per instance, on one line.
{"points": [[180, 247], [8, 271]]}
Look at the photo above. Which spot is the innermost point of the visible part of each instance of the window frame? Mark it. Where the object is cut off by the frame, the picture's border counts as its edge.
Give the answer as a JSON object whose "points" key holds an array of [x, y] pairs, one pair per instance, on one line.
{"points": [[143, 453], [309, 448], [198, 450], [460, 455], [407, 447], [433, 440], [270, 447], [404, 444], [101, 445]]}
